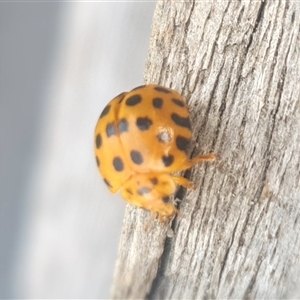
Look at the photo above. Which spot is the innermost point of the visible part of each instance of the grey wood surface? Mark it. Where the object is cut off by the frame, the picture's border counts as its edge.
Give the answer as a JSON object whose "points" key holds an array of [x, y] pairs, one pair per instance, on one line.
{"points": [[238, 234]]}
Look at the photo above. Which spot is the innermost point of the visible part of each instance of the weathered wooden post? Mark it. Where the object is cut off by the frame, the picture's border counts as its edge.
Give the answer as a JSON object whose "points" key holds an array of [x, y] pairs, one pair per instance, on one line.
{"points": [[238, 234]]}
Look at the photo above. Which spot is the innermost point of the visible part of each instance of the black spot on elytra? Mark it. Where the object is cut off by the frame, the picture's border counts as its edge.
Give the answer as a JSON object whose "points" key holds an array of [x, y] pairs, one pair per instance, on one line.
{"points": [[133, 100], [143, 190], [98, 141], [143, 123], [97, 161], [181, 121], [118, 164], [168, 160], [165, 199], [154, 181], [157, 102], [182, 143], [110, 129], [162, 89], [105, 111], [178, 102], [136, 157], [107, 182], [138, 87], [123, 125]]}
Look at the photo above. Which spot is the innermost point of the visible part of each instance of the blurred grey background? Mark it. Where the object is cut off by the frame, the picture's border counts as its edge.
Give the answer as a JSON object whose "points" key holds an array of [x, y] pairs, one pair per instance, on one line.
{"points": [[60, 63]]}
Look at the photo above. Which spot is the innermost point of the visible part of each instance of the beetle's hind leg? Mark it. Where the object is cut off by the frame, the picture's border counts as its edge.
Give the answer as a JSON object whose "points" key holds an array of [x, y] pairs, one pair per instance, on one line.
{"points": [[184, 182]]}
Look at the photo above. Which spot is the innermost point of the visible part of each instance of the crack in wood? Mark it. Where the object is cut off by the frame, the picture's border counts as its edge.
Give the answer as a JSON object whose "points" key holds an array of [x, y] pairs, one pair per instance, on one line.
{"points": [[293, 17], [161, 269], [222, 109], [209, 104], [267, 158], [227, 252], [252, 282], [259, 19], [187, 23]]}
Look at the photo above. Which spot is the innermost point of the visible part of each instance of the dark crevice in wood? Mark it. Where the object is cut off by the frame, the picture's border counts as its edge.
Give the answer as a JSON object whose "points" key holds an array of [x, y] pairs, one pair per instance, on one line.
{"points": [[199, 233], [257, 224], [252, 283], [180, 194], [195, 267], [209, 104], [239, 18], [259, 19], [227, 251], [245, 224], [203, 59], [296, 221], [222, 109], [293, 17], [204, 27], [287, 166], [234, 100], [273, 254], [221, 25], [251, 239], [186, 51], [161, 269], [187, 23], [207, 246], [272, 120], [213, 50], [221, 28], [267, 158], [163, 68], [194, 214]]}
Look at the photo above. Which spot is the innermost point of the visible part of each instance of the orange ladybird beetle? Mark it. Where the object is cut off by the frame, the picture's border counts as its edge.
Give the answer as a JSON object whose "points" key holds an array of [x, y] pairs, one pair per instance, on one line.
{"points": [[141, 138]]}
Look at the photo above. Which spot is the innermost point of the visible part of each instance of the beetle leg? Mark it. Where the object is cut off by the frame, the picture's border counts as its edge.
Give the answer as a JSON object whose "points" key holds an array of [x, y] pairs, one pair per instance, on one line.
{"points": [[184, 182], [207, 157], [189, 163]]}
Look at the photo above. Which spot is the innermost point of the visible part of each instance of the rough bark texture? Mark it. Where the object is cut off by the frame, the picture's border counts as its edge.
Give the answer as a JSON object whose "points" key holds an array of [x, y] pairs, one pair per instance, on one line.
{"points": [[238, 234]]}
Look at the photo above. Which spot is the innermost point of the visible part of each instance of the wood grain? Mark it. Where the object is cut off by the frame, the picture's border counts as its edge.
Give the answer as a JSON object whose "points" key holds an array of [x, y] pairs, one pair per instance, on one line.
{"points": [[238, 234]]}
